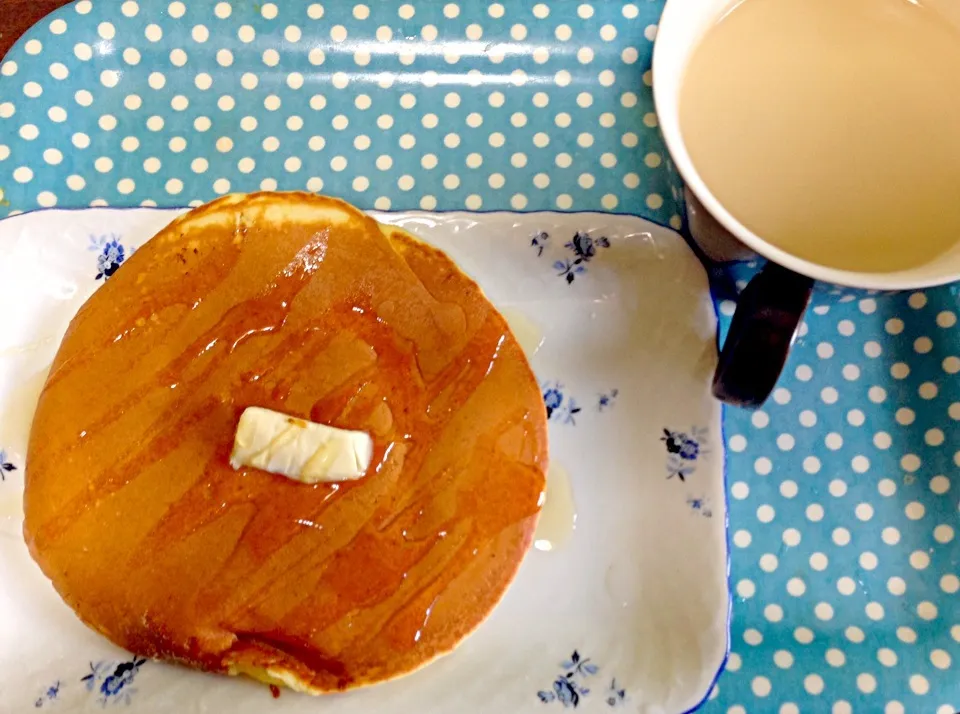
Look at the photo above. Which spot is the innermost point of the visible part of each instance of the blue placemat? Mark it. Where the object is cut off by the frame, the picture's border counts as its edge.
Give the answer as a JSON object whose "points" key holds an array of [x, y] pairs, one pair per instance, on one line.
{"points": [[403, 106], [843, 493], [843, 490]]}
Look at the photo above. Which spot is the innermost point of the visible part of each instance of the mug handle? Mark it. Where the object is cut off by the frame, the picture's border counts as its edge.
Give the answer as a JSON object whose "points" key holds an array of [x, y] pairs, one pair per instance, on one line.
{"points": [[761, 333]]}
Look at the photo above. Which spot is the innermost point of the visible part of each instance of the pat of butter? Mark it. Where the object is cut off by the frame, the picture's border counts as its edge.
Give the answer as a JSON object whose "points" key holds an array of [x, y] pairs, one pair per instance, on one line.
{"points": [[298, 449]]}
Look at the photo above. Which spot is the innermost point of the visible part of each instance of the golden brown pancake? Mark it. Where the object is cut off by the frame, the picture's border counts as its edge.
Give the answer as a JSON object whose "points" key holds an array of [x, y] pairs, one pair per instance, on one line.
{"points": [[304, 305]]}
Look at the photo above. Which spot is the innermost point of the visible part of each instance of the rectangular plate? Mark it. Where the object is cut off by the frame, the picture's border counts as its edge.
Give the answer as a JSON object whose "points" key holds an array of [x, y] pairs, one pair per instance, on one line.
{"points": [[624, 350]]}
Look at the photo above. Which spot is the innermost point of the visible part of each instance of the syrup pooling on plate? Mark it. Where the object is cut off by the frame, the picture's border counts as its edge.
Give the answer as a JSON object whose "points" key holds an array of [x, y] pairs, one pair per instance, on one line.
{"points": [[18, 408], [558, 518], [527, 332], [133, 510]]}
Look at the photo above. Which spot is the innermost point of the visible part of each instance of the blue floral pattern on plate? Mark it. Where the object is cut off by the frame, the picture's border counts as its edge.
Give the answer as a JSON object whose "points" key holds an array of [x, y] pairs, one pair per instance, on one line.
{"points": [[607, 400], [701, 505], [616, 695], [49, 695], [110, 254], [684, 448], [582, 248], [6, 466], [112, 681], [560, 406], [568, 688]]}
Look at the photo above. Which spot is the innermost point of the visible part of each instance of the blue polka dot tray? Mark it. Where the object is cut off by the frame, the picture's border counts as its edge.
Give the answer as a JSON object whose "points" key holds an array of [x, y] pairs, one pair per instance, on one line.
{"points": [[536, 122]]}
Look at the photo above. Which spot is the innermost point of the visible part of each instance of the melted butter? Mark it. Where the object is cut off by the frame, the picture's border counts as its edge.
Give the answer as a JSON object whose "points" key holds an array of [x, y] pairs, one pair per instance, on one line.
{"points": [[19, 406], [11, 505], [35, 346], [527, 332], [558, 517]]}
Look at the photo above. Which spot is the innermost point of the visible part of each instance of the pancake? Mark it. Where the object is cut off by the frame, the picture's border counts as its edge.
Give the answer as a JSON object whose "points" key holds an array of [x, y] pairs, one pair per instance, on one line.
{"points": [[304, 305]]}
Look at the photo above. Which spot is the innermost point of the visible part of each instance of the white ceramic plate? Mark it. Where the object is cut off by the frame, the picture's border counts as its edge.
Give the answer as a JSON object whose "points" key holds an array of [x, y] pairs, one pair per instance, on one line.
{"points": [[629, 610]]}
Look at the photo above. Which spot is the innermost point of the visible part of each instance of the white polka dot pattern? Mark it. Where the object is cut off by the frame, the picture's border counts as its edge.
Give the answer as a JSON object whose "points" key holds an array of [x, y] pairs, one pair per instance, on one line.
{"points": [[565, 130], [843, 489], [865, 412]]}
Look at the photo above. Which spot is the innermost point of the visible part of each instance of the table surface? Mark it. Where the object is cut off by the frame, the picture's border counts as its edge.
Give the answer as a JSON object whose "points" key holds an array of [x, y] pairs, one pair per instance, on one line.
{"points": [[16, 17]]}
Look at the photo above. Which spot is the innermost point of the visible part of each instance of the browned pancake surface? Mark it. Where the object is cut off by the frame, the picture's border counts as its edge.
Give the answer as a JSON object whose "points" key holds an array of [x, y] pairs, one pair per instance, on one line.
{"points": [[303, 305]]}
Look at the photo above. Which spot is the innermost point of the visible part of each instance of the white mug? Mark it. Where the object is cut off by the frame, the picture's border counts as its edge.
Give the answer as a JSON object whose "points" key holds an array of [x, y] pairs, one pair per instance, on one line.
{"points": [[771, 307], [682, 25]]}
